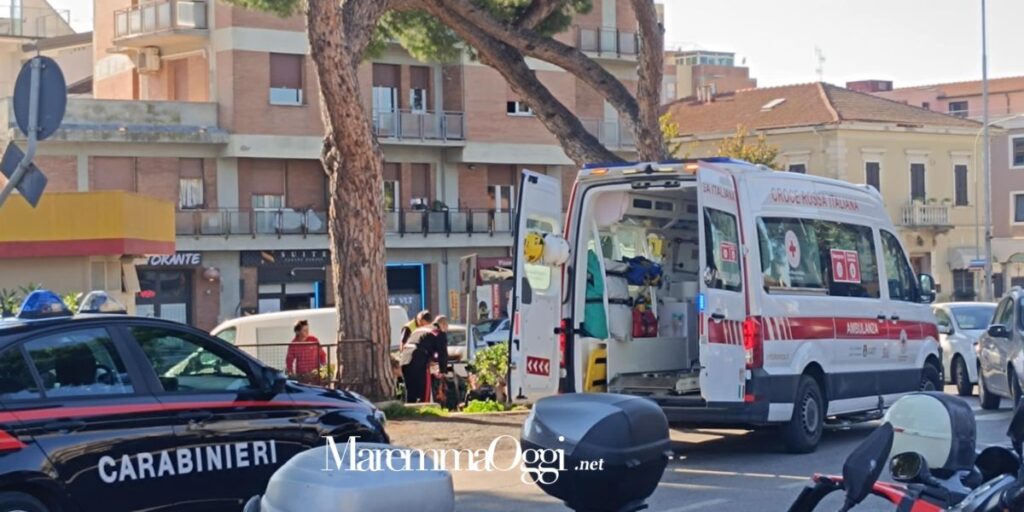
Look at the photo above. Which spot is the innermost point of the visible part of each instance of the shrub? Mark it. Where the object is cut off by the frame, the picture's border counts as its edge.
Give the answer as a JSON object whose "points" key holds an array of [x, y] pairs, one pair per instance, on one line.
{"points": [[398, 411], [492, 365], [481, 406]]}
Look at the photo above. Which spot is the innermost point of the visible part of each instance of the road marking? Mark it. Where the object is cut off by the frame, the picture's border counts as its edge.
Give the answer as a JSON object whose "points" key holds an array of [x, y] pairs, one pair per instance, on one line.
{"points": [[699, 505], [734, 473]]}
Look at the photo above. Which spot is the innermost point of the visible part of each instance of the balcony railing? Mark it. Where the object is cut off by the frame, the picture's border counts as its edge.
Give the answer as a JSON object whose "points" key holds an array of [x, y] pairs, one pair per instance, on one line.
{"points": [[924, 215], [419, 125], [159, 15], [607, 41], [17, 20], [236, 222], [613, 134]]}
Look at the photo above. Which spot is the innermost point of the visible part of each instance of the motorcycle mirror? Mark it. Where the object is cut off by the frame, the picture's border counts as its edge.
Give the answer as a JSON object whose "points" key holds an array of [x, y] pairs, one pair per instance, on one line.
{"points": [[864, 465], [908, 467], [1016, 430]]}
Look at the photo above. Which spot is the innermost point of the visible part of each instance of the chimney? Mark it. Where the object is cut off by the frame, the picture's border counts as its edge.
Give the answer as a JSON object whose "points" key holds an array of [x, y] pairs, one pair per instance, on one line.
{"points": [[870, 86]]}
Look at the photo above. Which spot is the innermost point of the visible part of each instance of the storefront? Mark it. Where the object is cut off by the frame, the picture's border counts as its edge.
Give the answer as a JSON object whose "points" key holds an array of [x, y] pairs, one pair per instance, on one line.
{"points": [[407, 286], [166, 286], [288, 280]]}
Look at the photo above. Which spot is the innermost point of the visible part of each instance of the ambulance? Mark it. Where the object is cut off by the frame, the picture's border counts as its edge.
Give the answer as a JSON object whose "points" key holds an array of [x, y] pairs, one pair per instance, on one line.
{"points": [[728, 293]]}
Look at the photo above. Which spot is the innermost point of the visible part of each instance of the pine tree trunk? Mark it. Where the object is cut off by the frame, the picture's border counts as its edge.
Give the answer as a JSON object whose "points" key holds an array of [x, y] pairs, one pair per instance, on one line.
{"points": [[354, 165]]}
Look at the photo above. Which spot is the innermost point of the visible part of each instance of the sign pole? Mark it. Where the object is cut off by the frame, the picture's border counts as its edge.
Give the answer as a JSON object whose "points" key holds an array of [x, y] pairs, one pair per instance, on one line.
{"points": [[33, 132]]}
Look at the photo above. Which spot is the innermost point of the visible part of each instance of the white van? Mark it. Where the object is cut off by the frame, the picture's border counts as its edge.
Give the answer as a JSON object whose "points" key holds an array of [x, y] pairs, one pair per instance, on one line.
{"points": [[772, 308], [277, 329]]}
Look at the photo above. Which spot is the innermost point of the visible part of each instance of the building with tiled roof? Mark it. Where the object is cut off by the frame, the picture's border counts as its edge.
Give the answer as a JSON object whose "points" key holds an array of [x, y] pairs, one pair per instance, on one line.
{"points": [[921, 161]]}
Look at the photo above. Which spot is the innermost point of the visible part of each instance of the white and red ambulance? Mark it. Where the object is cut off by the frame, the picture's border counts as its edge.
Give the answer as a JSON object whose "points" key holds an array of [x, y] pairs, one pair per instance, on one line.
{"points": [[782, 299]]}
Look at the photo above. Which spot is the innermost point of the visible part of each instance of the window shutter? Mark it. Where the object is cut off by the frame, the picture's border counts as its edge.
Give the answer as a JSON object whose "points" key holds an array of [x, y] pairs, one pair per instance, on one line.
{"points": [[285, 71]]}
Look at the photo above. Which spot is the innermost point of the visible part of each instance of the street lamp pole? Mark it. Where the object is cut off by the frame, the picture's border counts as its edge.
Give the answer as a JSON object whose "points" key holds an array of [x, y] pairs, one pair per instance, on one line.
{"points": [[988, 163]]}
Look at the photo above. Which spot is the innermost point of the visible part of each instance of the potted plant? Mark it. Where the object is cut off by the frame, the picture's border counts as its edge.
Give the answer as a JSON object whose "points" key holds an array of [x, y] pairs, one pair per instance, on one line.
{"points": [[491, 369]]}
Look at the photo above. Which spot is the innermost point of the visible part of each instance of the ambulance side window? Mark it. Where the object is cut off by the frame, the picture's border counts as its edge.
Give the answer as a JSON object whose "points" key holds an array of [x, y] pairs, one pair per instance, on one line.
{"points": [[848, 259], [790, 255], [902, 283], [722, 250]]}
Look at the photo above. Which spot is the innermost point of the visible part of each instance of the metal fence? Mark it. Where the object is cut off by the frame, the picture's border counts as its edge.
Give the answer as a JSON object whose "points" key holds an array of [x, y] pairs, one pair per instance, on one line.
{"points": [[419, 125], [607, 41], [155, 16], [279, 355], [17, 20]]}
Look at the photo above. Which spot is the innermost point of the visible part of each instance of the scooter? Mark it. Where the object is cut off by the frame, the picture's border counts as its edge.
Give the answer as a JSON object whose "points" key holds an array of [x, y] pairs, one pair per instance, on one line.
{"points": [[995, 485]]}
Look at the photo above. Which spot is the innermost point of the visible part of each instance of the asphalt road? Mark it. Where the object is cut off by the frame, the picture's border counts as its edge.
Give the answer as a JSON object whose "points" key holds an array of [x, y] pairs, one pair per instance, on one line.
{"points": [[720, 470]]}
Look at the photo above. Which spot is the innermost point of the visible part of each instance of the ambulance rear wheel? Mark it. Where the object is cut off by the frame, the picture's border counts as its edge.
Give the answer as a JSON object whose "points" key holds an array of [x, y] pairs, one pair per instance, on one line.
{"points": [[802, 433], [20, 502]]}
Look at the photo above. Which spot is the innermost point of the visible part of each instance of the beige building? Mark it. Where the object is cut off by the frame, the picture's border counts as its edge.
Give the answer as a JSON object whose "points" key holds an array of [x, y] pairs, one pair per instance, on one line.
{"points": [[921, 161], [215, 109]]}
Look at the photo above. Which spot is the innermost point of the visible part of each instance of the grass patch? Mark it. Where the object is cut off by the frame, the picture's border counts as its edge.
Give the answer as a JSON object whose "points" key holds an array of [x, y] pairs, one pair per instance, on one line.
{"points": [[476, 406], [396, 411]]}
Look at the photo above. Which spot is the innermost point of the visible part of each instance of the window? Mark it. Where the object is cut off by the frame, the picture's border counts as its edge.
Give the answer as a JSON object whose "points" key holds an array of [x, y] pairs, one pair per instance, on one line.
{"points": [[391, 196], [818, 256], [917, 187], [190, 193], [228, 335], [1004, 314], [1017, 148], [538, 275], [79, 363], [385, 99], [958, 108], [722, 250], [286, 79], [266, 208], [925, 105], [797, 168], [518, 108], [418, 100], [183, 363], [942, 319], [873, 175], [16, 382], [1018, 208], [501, 196], [419, 83], [970, 318], [963, 284], [960, 185], [902, 283]]}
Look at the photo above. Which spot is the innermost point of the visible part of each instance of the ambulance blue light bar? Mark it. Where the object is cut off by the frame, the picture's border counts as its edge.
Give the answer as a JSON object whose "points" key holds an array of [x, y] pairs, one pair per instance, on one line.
{"points": [[42, 304]]}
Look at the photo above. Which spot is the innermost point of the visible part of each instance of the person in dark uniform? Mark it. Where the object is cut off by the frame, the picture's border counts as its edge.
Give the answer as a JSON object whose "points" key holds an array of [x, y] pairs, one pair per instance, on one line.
{"points": [[424, 345], [422, 319]]}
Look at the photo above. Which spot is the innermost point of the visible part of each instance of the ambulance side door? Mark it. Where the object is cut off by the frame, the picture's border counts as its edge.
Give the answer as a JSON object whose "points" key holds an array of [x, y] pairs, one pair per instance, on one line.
{"points": [[722, 356], [534, 369]]}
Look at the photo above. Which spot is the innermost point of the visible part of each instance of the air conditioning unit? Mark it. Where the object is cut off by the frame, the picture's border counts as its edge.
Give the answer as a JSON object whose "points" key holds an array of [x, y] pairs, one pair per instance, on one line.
{"points": [[147, 60]]}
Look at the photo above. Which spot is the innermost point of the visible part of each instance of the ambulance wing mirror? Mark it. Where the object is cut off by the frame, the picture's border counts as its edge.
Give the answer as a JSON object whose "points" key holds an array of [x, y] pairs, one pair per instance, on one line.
{"points": [[927, 283]]}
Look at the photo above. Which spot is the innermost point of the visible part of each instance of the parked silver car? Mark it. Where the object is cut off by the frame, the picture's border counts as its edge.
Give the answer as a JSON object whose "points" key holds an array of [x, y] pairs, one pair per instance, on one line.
{"points": [[1000, 359], [960, 325]]}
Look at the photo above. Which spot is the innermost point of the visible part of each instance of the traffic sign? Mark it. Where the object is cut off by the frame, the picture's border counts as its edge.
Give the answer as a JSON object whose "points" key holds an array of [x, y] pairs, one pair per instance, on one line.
{"points": [[53, 97], [32, 183]]}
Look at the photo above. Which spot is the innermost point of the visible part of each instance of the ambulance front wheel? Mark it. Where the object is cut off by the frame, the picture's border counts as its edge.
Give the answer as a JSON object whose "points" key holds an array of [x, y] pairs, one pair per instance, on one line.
{"points": [[20, 502], [802, 433]]}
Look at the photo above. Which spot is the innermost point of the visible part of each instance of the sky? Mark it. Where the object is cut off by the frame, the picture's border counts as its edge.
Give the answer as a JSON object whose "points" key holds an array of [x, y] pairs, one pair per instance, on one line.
{"points": [[911, 42]]}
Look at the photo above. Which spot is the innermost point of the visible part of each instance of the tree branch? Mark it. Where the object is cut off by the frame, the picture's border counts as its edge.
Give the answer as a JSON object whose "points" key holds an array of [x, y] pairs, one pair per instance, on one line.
{"points": [[359, 19], [537, 12], [652, 67], [570, 59], [578, 143]]}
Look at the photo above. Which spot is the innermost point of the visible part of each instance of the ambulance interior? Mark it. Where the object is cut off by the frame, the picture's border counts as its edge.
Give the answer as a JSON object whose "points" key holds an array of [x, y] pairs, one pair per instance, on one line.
{"points": [[660, 225]]}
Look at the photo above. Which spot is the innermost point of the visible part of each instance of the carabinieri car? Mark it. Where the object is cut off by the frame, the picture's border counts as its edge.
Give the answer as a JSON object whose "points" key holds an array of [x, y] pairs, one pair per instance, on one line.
{"points": [[119, 413]]}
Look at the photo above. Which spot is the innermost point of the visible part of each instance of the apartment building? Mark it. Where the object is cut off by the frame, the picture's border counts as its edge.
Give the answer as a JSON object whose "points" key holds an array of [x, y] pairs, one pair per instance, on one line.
{"points": [[697, 72], [216, 109], [1006, 114], [922, 162]]}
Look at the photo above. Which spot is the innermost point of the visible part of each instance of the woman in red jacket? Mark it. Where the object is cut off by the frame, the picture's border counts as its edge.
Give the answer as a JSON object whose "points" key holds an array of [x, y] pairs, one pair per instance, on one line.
{"points": [[305, 357]]}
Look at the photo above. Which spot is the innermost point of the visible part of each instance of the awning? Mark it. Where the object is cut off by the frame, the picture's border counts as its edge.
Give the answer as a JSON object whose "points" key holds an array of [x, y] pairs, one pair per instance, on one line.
{"points": [[964, 257]]}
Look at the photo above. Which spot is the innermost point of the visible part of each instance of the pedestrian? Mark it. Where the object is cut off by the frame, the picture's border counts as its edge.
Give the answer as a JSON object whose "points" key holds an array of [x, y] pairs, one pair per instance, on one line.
{"points": [[422, 319], [425, 345], [305, 356]]}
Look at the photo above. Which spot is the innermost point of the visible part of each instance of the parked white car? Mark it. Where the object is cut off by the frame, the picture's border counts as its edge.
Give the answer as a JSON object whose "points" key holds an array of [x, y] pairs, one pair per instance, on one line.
{"points": [[960, 325], [500, 333]]}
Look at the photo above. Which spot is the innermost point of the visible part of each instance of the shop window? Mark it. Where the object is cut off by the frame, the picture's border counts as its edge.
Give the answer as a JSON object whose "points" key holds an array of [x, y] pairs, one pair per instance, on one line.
{"points": [[722, 250], [165, 294], [79, 363], [286, 79], [190, 193]]}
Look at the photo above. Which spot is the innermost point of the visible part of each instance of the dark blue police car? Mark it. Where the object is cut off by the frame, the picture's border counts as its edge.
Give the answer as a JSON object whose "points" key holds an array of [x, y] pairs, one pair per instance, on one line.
{"points": [[118, 413]]}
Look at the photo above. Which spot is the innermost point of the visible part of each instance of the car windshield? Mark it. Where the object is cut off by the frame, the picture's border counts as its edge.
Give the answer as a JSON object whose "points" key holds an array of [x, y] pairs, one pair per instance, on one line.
{"points": [[973, 317], [488, 326], [456, 337]]}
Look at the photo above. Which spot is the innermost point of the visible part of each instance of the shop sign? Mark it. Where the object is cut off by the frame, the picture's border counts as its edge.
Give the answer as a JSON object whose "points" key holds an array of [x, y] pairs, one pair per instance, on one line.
{"points": [[312, 258], [180, 259]]}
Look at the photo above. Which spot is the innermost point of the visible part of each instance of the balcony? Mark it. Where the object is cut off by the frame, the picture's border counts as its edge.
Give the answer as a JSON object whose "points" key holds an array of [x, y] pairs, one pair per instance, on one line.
{"points": [[176, 25], [17, 20], [607, 42], [227, 222], [612, 134], [424, 127], [931, 216], [92, 120]]}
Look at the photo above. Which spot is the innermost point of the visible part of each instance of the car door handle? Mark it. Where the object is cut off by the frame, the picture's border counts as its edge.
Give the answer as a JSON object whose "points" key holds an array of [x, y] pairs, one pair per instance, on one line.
{"points": [[65, 425], [718, 317], [882, 316], [895, 318], [195, 416]]}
